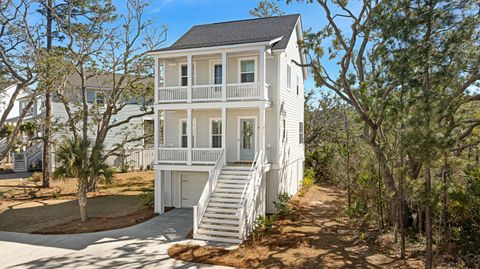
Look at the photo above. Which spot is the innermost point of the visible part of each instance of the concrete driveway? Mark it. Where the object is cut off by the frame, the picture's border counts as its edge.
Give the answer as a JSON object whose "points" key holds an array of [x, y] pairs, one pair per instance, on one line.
{"points": [[141, 246]]}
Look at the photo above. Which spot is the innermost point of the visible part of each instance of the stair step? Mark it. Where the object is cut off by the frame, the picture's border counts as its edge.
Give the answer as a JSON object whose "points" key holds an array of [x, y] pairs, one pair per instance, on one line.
{"points": [[220, 216], [217, 239], [223, 210], [223, 189], [228, 200], [236, 172], [239, 181], [224, 176], [234, 186], [229, 205], [217, 220], [237, 168], [219, 227], [228, 195], [211, 232]]}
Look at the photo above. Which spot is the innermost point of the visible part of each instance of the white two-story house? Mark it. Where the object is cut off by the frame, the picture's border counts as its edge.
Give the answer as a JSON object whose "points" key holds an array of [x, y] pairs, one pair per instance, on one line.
{"points": [[229, 103]]}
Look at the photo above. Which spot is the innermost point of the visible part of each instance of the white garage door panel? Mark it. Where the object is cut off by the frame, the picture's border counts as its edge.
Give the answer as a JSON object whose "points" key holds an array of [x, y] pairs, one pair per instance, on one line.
{"points": [[192, 187]]}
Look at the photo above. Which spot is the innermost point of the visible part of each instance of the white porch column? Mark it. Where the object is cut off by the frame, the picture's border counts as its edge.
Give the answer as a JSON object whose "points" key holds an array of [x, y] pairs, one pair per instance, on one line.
{"points": [[159, 205], [156, 126], [262, 71], [261, 128], [157, 77], [224, 77], [224, 132], [189, 78], [189, 136]]}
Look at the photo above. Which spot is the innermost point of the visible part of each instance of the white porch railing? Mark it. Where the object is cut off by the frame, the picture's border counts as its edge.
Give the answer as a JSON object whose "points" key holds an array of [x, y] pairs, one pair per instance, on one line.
{"points": [[172, 155], [247, 212], [206, 92], [241, 91], [172, 94], [205, 155], [180, 155], [199, 209], [234, 92]]}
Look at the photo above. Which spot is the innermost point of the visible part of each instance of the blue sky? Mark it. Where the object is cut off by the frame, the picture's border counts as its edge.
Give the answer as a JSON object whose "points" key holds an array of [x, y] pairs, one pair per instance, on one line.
{"points": [[180, 15]]}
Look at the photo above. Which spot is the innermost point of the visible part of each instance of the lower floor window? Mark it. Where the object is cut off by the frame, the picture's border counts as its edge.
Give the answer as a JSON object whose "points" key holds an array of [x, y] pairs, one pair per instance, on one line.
{"points": [[216, 133]]}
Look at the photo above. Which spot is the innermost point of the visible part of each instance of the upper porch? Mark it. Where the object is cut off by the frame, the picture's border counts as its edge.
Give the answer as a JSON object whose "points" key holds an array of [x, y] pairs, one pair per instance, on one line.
{"points": [[210, 75]]}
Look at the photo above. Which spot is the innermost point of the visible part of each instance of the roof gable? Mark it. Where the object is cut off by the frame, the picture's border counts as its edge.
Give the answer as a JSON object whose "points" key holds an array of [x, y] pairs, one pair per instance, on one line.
{"points": [[238, 32]]}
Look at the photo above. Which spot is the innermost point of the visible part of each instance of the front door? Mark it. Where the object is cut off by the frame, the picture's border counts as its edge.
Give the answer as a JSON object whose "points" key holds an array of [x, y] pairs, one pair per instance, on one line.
{"points": [[247, 139]]}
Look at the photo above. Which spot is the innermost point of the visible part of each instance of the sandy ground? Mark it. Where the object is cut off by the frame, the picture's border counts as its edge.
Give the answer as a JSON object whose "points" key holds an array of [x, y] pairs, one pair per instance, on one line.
{"points": [[25, 207], [317, 235]]}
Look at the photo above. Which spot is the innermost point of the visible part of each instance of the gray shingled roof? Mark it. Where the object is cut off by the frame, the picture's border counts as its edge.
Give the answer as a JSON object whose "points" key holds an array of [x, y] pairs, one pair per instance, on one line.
{"points": [[238, 32]]}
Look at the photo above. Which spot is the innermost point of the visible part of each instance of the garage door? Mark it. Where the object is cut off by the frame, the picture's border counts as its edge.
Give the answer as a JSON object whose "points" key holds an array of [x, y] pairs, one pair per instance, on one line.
{"points": [[192, 188]]}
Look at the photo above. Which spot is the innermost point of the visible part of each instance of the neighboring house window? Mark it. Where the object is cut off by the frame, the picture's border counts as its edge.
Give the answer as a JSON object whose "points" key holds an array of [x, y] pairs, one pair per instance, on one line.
{"points": [[289, 76], [183, 134], [217, 74], [184, 75], [301, 134], [99, 98], [216, 133], [247, 71], [90, 96], [284, 130]]}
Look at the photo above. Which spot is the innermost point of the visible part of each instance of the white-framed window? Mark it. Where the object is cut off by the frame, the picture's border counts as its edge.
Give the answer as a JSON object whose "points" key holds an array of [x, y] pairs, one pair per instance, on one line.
{"points": [[183, 133], [284, 130], [90, 96], [217, 74], [247, 71], [215, 133], [301, 135], [289, 76], [183, 75]]}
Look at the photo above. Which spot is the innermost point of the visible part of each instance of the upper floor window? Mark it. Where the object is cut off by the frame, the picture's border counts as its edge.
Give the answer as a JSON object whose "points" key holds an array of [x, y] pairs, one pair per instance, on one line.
{"points": [[184, 75], [284, 130], [247, 71], [289, 76], [216, 133], [217, 74]]}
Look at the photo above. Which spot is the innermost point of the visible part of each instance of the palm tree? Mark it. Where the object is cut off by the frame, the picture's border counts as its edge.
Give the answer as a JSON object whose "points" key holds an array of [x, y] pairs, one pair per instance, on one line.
{"points": [[76, 159]]}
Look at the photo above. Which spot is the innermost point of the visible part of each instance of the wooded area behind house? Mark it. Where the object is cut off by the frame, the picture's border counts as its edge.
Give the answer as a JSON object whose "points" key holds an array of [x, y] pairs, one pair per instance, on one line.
{"points": [[397, 125]]}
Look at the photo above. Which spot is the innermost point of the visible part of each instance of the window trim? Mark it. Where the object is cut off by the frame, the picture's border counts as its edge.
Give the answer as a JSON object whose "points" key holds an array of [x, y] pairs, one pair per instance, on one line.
{"points": [[211, 71], [210, 133], [255, 71], [194, 76], [194, 132]]}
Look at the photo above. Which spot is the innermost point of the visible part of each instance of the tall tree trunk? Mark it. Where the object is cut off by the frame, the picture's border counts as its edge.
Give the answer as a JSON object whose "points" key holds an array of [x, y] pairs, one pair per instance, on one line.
{"points": [[347, 147], [82, 198], [428, 218], [445, 175], [47, 127]]}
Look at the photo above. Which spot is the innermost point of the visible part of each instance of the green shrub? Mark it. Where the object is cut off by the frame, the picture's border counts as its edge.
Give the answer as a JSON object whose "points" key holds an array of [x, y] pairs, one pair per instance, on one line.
{"points": [[263, 224], [125, 167], [357, 209], [309, 179], [282, 205], [148, 198]]}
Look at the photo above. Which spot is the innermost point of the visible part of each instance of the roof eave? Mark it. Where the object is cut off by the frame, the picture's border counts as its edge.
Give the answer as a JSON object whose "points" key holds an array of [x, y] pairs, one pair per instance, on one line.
{"points": [[201, 50]]}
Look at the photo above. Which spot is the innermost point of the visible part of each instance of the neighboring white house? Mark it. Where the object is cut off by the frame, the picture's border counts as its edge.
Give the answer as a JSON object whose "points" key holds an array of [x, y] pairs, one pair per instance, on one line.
{"points": [[229, 106], [29, 154]]}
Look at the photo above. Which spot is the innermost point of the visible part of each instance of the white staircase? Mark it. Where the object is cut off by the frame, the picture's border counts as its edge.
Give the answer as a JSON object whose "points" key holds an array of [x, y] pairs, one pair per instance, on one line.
{"points": [[226, 209], [32, 154], [220, 221]]}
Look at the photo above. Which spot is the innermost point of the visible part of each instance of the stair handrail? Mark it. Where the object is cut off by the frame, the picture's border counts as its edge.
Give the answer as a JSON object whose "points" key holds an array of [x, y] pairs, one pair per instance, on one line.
{"points": [[248, 195], [201, 206]]}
